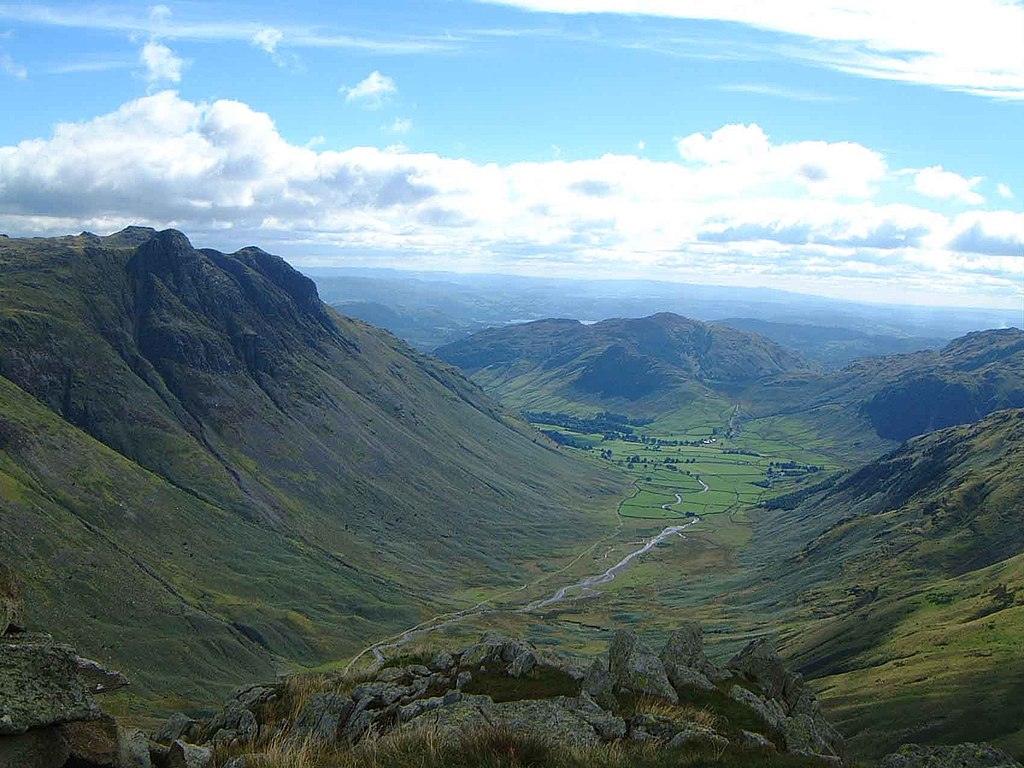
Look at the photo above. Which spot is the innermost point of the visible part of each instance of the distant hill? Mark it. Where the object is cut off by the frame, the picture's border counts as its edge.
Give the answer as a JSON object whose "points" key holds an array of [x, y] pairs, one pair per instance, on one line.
{"points": [[833, 346], [913, 569], [644, 364], [899, 396], [205, 472]]}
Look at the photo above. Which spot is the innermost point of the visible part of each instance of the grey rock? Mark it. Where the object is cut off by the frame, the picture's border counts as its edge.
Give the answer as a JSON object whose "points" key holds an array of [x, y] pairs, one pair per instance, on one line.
{"points": [[808, 735], [953, 756], [770, 711], [177, 726], [752, 740], [599, 684], [760, 663], [452, 697], [683, 678], [635, 668], [357, 726], [38, 748], [464, 679], [39, 685], [133, 749], [378, 694], [391, 674], [323, 716], [522, 664], [182, 755], [442, 662], [685, 648], [98, 679]]}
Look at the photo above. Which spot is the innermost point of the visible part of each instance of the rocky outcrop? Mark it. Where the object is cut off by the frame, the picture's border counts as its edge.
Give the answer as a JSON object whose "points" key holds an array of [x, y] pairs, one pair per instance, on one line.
{"points": [[47, 714], [951, 756], [630, 694]]}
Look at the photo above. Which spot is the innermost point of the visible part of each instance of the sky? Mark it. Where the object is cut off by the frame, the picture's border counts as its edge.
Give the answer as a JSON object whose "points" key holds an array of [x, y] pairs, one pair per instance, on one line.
{"points": [[869, 150]]}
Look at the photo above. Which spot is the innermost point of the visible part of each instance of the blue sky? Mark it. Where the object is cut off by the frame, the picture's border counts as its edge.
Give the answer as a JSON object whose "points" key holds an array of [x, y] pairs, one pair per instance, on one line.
{"points": [[860, 150]]}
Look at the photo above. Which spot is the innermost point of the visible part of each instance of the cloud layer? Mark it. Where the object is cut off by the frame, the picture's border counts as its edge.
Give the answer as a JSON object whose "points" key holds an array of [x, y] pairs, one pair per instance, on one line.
{"points": [[965, 45], [735, 208]]}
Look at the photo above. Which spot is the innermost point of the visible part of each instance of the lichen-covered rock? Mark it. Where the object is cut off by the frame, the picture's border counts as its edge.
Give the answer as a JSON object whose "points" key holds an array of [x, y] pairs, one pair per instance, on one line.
{"points": [[636, 669], [523, 663], [557, 719], [442, 662], [183, 755], [952, 756], [806, 735], [683, 678], [39, 685], [177, 726], [769, 710], [760, 663], [133, 749], [599, 684], [685, 650], [323, 716], [238, 722]]}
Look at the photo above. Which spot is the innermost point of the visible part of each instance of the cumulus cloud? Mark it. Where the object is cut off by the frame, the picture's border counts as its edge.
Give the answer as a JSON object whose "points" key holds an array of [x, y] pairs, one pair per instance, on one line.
{"points": [[736, 207], [371, 91], [941, 184], [963, 45], [744, 156], [1004, 191], [161, 64]]}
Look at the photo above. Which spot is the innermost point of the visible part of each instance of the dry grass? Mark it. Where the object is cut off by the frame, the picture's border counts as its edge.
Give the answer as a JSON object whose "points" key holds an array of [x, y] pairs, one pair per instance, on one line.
{"points": [[701, 716], [490, 747]]}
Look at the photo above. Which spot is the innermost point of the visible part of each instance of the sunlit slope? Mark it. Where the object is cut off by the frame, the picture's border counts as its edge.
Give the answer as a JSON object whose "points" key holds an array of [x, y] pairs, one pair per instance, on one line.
{"points": [[903, 585], [646, 366], [306, 476]]}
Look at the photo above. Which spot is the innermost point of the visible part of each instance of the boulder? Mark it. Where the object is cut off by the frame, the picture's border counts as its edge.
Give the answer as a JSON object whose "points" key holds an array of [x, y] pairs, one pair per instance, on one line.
{"points": [[442, 662], [951, 756], [177, 726], [769, 710], [636, 669], [683, 678], [806, 735], [98, 679], [182, 755], [685, 649], [522, 664], [600, 685], [133, 749], [759, 663], [93, 742], [39, 685], [238, 722], [323, 716]]}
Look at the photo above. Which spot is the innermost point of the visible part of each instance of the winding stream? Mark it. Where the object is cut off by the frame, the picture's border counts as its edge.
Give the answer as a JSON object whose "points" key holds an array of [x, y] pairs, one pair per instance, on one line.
{"points": [[595, 581]]}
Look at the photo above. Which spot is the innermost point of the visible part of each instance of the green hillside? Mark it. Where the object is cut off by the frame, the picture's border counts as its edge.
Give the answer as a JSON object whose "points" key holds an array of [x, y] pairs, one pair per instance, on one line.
{"points": [[903, 584], [646, 366], [197, 455]]}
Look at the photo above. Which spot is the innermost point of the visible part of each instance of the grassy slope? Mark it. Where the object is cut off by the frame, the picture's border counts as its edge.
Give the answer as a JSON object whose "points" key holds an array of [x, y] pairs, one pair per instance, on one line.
{"points": [[212, 428], [906, 597]]}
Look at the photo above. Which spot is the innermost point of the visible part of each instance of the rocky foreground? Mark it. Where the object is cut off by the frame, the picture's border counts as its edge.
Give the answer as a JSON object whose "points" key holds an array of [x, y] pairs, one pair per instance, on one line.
{"points": [[501, 701]]}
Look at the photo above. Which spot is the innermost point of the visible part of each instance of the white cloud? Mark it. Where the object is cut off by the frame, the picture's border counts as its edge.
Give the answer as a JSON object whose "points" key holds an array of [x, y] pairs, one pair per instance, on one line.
{"points": [[745, 158], [12, 68], [267, 39], [740, 209], [1004, 191], [400, 125], [161, 63], [964, 45], [371, 91], [780, 92], [941, 184]]}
